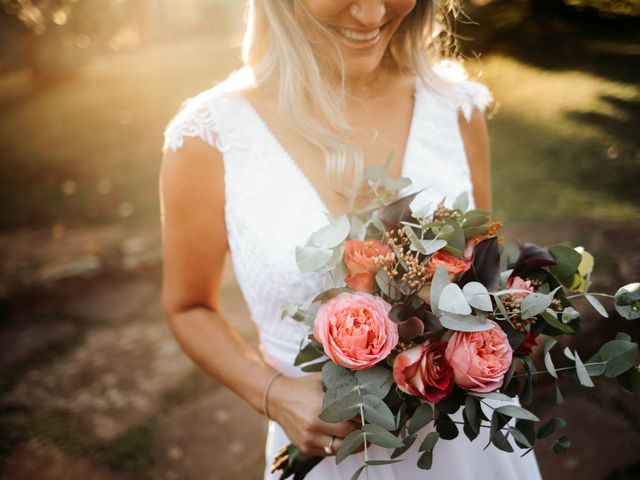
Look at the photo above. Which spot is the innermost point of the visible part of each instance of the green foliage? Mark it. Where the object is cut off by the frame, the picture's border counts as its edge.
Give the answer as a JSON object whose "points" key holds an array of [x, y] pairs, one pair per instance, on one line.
{"points": [[627, 301]]}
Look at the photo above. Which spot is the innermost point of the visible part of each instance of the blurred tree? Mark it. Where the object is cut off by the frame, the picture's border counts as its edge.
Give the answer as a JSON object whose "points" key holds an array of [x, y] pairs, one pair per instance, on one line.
{"points": [[54, 37]]}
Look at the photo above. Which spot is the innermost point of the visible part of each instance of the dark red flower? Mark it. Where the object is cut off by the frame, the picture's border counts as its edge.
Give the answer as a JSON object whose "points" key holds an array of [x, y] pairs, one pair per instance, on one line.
{"points": [[423, 371]]}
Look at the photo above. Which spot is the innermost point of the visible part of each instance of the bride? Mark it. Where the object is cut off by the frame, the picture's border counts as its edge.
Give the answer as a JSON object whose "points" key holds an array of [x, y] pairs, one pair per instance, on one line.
{"points": [[254, 165]]}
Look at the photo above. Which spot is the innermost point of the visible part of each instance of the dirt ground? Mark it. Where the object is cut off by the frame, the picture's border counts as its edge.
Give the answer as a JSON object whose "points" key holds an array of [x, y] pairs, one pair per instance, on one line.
{"points": [[93, 385]]}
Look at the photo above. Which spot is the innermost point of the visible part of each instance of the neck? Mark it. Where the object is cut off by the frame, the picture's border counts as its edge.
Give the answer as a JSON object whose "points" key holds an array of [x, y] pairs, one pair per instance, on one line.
{"points": [[371, 85]]}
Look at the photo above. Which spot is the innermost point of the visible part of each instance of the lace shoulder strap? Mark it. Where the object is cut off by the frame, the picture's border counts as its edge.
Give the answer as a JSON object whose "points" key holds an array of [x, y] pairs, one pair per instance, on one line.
{"points": [[207, 116], [467, 94]]}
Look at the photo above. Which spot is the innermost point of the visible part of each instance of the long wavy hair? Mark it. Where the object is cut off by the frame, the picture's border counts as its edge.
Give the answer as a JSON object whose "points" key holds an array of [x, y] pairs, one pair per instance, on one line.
{"points": [[310, 90]]}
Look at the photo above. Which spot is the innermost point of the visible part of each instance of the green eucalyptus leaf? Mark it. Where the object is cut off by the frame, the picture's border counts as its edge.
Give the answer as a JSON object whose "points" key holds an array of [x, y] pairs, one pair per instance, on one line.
{"points": [[314, 367], [567, 261], [569, 314], [378, 413], [454, 235], [438, 283], [339, 389], [548, 361], [407, 444], [310, 259], [307, 354], [620, 356], [562, 445], [332, 373], [329, 293], [432, 246], [493, 396], [382, 462], [333, 234], [429, 442], [559, 397], [501, 442], [461, 202], [626, 301], [550, 427], [343, 408], [445, 427], [520, 438], [422, 416], [471, 414], [452, 300], [416, 243], [595, 303], [536, 303], [527, 393], [374, 381], [425, 461], [349, 444], [583, 374], [356, 474], [526, 428], [595, 366], [477, 296], [553, 321], [464, 323], [514, 411], [380, 436]]}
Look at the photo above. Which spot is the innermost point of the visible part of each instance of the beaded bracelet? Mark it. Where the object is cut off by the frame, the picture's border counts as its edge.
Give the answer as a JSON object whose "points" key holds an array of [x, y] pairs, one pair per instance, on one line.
{"points": [[265, 394]]}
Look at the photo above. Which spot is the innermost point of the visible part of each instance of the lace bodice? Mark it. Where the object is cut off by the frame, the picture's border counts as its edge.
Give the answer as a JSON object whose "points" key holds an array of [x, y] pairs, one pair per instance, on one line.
{"points": [[271, 207]]}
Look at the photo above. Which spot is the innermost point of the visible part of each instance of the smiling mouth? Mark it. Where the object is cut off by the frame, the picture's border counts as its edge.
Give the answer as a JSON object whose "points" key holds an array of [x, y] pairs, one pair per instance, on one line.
{"points": [[356, 36]]}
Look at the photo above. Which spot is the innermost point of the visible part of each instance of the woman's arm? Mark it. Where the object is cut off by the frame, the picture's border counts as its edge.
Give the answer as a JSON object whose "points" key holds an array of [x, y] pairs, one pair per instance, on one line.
{"points": [[476, 145], [194, 248]]}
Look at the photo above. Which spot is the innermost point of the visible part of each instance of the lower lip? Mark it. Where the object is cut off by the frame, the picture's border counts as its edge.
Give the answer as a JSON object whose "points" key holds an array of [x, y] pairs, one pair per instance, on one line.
{"points": [[361, 45]]}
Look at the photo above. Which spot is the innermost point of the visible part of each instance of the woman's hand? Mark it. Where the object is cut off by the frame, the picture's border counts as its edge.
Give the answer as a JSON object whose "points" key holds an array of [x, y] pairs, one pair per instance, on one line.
{"points": [[295, 404]]}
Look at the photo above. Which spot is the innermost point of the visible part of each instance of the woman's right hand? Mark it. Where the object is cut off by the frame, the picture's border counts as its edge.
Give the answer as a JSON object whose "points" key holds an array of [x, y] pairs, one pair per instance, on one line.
{"points": [[296, 403]]}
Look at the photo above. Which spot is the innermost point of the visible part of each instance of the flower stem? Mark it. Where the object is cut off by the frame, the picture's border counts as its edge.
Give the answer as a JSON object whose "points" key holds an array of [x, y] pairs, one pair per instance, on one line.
{"points": [[537, 372]]}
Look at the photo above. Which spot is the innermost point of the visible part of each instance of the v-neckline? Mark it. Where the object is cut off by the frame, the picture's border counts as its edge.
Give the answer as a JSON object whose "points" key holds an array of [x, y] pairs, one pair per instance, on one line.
{"points": [[303, 176]]}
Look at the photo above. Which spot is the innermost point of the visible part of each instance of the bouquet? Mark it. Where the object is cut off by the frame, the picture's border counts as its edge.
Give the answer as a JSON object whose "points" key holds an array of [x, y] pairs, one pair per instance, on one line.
{"points": [[428, 310]]}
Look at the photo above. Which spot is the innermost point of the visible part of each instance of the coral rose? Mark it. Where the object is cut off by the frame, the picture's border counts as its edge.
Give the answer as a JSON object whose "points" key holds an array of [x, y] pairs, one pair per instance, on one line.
{"points": [[359, 259], [479, 359], [519, 284], [355, 329], [453, 264], [424, 371]]}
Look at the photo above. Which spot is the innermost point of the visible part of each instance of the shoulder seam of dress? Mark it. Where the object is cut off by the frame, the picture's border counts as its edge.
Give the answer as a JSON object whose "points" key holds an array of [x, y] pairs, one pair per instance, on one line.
{"points": [[202, 116], [467, 94]]}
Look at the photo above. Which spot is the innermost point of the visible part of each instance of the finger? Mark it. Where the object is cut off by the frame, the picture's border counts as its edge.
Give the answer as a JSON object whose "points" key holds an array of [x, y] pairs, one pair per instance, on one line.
{"points": [[340, 430], [328, 440]]}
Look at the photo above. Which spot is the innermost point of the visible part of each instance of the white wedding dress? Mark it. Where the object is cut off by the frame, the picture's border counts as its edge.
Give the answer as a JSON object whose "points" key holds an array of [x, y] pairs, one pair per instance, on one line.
{"points": [[271, 207]]}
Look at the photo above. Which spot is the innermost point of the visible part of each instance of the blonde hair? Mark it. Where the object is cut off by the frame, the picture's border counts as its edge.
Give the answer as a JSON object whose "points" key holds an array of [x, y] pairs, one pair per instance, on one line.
{"points": [[309, 94]]}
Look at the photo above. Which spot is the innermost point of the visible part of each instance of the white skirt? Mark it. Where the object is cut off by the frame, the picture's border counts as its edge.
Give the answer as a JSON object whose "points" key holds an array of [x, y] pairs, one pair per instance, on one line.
{"points": [[458, 459]]}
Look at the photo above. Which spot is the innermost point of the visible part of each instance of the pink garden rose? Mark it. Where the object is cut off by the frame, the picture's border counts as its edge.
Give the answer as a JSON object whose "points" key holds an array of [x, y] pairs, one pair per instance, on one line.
{"points": [[359, 259], [479, 359], [423, 371], [355, 329], [519, 284], [453, 264]]}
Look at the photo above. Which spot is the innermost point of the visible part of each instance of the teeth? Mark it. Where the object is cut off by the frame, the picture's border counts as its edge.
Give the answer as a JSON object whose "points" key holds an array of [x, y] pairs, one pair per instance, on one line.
{"points": [[359, 36]]}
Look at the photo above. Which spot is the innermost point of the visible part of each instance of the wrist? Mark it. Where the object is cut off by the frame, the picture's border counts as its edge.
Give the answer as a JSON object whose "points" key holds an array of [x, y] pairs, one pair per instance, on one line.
{"points": [[267, 410]]}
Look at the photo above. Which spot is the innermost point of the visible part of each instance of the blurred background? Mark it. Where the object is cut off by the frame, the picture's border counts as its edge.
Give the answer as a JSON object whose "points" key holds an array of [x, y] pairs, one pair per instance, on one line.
{"points": [[92, 385]]}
